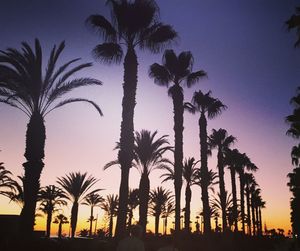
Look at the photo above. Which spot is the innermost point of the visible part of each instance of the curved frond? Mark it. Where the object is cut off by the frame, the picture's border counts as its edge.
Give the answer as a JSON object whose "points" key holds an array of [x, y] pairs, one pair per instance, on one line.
{"points": [[160, 74], [108, 53], [194, 77]]}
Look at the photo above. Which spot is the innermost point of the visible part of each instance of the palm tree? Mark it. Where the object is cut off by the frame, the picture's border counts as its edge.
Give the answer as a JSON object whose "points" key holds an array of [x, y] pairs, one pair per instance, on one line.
{"points": [[92, 200], [254, 191], [6, 182], [25, 87], [208, 107], [60, 220], [231, 160], [76, 185], [148, 153], [133, 202], [159, 198], [110, 206], [178, 71], [294, 23], [189, 174], [51, 197], [244, 162], [222, 141], [249, 181], [133, 24], [216, 205], [169, 209]]}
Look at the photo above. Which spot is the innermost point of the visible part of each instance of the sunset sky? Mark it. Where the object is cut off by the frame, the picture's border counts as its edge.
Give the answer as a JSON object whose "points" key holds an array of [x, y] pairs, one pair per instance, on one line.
{"points": [[252, 67]]}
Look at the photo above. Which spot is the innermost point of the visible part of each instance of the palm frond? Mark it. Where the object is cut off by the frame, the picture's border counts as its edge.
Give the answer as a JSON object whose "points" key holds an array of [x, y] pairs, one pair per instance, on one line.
{"points": [[194, 77], [160, 74], [108, 53]]}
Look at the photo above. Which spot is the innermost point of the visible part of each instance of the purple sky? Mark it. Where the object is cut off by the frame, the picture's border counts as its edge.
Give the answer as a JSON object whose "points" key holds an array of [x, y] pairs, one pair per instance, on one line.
{"points": [[245, 48]]}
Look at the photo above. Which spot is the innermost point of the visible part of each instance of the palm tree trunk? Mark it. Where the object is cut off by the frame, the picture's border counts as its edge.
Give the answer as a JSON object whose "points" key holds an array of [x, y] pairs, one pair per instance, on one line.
{"points": [[144, 188], [204, 173], [166, 225], [130, 215], [257, 221], [177, 96], [156, 224], [110, 225], [222, 189], [260, 220], [34, 154], [242, 186], [59, 229], [74, 216], [253, 215], [91, 220], [234, 199], [187, 213], [125, 155], [49, 220], [248, 209]]}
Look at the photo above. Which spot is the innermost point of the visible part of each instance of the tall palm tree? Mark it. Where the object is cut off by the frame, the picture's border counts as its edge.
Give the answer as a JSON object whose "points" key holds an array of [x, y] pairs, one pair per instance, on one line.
{"points": [[249, 181], [76, 186], [6, 181], [208, 107], [169, 209], [110, 206], [189, 174], [254, 191], [92, 200], [178, 71], [231, 160], [25, 87], [222, 141], [159, 198], [60, 220], [260, 205], [133, 202], [51, 197], [244, 162], [133, 24]]}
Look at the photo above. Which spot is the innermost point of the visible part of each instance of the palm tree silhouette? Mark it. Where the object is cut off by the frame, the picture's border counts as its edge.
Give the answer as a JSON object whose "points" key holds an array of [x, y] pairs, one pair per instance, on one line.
{"points": [[249, 181], [17, 193], [110, 206], [133, 202], [231, 160], [169, 209], [208, 107], [60, 220], [76, 185], [148, 153], [25, 87], [92, 200], [294, 23], [222, 141], [6, 181], [51, 197], [255, 192], [159, 198], [178, 71], [244, 162], [134, 24], [189, 174]]}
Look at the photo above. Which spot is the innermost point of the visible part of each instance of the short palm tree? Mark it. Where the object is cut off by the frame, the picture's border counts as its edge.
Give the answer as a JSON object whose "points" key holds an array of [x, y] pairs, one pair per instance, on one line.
{"points": [[159, 198], [189, 174], [76, 186], [25, 87], [92, 200], [222, 141], [60, 220], [51, 197], [178, 71], [133, 24], [110, 206], [6, 181], [208, 107]]}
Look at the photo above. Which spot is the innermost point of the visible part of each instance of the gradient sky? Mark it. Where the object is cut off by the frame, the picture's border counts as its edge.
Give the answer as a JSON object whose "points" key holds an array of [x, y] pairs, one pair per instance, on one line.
{"points": [[252, 67]]}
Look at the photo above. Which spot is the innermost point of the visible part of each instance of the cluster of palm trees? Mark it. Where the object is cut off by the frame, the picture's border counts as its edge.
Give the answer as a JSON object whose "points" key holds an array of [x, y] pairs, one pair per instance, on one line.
{"points": [[133, 25], [294, 131]]}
